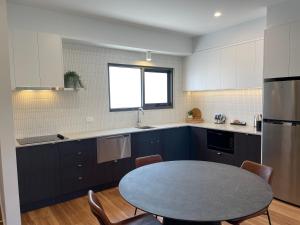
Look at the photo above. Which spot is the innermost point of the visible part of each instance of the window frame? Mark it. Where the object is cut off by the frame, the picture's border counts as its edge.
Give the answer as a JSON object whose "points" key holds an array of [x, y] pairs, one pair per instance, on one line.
{"points": [[169, 71]]}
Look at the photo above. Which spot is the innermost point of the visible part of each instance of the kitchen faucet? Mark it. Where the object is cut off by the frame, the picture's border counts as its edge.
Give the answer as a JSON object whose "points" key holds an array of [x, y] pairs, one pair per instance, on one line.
{"points": [[139, 120]]}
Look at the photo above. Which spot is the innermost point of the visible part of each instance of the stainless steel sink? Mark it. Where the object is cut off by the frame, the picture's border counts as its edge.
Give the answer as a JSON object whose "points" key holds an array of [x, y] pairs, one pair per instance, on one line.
{"points": [[145, 127]]}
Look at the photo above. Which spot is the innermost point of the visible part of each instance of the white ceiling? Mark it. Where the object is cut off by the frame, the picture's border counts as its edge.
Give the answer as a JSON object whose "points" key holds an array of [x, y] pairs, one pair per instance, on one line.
{"points": [[192, 17]]}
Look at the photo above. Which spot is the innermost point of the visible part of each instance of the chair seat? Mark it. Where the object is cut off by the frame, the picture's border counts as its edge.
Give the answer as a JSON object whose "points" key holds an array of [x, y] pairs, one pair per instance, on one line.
{"points": [[144, 219]]}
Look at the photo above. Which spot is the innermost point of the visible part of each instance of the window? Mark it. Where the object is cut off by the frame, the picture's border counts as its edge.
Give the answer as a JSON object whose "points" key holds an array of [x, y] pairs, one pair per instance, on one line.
{"points": [[132, 87]]}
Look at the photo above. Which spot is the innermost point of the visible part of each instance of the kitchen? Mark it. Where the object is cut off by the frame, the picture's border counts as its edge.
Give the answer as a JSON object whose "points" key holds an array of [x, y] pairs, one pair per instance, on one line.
{"points": [[118, 103]]}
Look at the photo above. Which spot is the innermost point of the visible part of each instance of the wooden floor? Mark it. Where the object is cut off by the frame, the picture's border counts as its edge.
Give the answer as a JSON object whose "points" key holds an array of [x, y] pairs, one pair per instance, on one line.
{"points": [[76, 212]]}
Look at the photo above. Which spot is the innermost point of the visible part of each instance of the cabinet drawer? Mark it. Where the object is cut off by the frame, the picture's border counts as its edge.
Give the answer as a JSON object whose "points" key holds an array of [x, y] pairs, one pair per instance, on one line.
{"points": [[73, 160], [74, 183], [74, 152], [74, 179], [220, 157]]}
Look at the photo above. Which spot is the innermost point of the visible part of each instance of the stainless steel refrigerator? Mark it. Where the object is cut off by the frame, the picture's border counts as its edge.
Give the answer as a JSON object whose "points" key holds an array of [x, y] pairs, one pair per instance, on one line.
{"points": [[281, 136]]}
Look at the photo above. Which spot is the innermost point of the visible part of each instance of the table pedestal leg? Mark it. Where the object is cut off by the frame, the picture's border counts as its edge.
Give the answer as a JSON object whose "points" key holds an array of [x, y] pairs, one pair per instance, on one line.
{"points": [[178, 222]]}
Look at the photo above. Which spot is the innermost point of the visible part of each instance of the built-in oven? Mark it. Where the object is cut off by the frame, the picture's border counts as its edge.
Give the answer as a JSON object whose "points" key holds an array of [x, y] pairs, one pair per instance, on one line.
{"points": [[222, 141]]}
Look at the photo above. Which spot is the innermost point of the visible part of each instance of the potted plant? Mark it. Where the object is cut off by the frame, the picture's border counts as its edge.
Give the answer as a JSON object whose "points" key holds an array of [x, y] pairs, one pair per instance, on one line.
{"points": [[72, 80], [190, 114]]}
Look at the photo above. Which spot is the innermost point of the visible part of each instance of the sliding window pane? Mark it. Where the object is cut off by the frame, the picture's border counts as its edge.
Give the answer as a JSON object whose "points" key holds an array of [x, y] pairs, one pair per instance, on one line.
{"points": [[125, 87], [156, 87]]}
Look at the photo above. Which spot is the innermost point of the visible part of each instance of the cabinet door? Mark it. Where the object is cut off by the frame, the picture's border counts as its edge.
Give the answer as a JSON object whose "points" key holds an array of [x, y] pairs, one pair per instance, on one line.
{"points": [[277, 52], [245, 65], [121, 168], [295, 49], [259, 64], [38, 170], [176, 145], [192, 67], [26, 61], [11, 62], [50, 60], [198, 143], [211, 69], [247, 147], [228, 68], [146, 143]]}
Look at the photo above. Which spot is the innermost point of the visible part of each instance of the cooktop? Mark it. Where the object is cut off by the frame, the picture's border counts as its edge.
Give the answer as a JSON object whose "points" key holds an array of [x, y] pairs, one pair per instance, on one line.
{"points": [[40, 139]]}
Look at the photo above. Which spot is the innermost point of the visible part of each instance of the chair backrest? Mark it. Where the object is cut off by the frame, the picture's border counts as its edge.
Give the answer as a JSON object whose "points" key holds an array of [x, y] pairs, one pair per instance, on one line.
{"points": [[97, 209], [147, 160], [263, 171]]}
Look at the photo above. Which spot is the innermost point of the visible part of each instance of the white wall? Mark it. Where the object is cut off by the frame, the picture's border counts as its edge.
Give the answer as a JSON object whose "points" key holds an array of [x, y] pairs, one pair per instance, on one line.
{"points": [[97, 31], [282, 13], [243, 32], [47, 112], [8, 167]]}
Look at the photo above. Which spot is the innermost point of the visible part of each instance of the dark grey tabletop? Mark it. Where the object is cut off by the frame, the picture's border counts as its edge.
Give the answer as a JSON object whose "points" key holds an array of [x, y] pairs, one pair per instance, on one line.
{"points": [[195, 191]]}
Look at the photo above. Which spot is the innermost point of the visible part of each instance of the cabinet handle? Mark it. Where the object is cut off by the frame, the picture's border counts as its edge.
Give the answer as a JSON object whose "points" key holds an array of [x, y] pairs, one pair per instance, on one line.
{"points": [[219, 153], [79, 153], [79, 165], [80, 178], [115, 161]]}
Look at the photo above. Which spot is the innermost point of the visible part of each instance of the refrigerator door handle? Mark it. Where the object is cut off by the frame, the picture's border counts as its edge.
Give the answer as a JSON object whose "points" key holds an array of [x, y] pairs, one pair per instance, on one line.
{"points": [[283, 123]]}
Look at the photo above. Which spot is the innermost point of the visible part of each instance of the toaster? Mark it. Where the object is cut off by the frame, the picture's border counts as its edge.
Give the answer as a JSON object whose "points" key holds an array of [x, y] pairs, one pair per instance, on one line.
{"points": [[220, 118]]}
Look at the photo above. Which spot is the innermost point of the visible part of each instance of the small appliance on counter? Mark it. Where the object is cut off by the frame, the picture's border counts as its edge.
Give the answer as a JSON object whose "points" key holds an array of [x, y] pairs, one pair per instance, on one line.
{"points": [[220, 118], [238, 123], [258, 122]]}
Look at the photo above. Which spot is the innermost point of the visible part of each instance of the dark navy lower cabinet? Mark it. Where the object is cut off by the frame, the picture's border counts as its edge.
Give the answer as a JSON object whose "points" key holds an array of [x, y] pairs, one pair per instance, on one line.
{"points": [[38, 175], [247, 147], [198, 142], [146, 143], [52, 173], [176, 144], [77, 164]]}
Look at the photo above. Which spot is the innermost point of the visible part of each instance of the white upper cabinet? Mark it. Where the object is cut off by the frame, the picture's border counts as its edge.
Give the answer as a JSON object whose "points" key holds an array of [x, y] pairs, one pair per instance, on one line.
{"points": [[51, 60], [201, 71], [11, 62], [212, 71], [228, 68], [192, 68], [277, 52], [259, 63], [282, 51], [295, 49], [245, 66], [234, 67], [36, 59], [25, 59]]}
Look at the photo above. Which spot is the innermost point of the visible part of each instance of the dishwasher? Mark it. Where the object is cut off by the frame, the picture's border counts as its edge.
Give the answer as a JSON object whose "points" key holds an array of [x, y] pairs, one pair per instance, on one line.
{"points": [[112, 148]]}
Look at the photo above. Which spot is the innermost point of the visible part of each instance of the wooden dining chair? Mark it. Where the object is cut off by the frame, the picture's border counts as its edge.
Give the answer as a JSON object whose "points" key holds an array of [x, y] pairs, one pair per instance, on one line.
{"points": [[146, 160], [98, 211], [265, 172]]}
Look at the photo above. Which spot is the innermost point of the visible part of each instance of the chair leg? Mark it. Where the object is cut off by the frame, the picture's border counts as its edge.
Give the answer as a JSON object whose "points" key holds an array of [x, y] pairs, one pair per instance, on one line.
{"points": [[269, 218], [135, 211]]}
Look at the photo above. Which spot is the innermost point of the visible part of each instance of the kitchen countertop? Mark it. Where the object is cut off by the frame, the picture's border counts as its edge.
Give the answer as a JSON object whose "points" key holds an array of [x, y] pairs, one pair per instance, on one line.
{"points": [[103, 133]]}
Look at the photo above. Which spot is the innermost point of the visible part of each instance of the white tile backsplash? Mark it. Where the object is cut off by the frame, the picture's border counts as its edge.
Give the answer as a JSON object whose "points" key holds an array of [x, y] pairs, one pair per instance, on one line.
{"points": [[49, 112], [235, 104]]}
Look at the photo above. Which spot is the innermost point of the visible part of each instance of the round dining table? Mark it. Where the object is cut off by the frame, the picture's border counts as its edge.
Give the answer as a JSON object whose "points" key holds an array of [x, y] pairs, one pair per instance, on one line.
{"points": [[195, 192]]}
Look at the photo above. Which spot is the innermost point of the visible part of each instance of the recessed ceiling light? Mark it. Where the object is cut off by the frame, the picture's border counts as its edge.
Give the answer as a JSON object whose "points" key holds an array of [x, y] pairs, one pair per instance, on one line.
{"points": [[217, 14]]}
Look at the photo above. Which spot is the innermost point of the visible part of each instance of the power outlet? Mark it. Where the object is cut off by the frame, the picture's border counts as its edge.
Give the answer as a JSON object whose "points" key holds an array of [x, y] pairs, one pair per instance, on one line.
{"points": [[89, 119]]}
